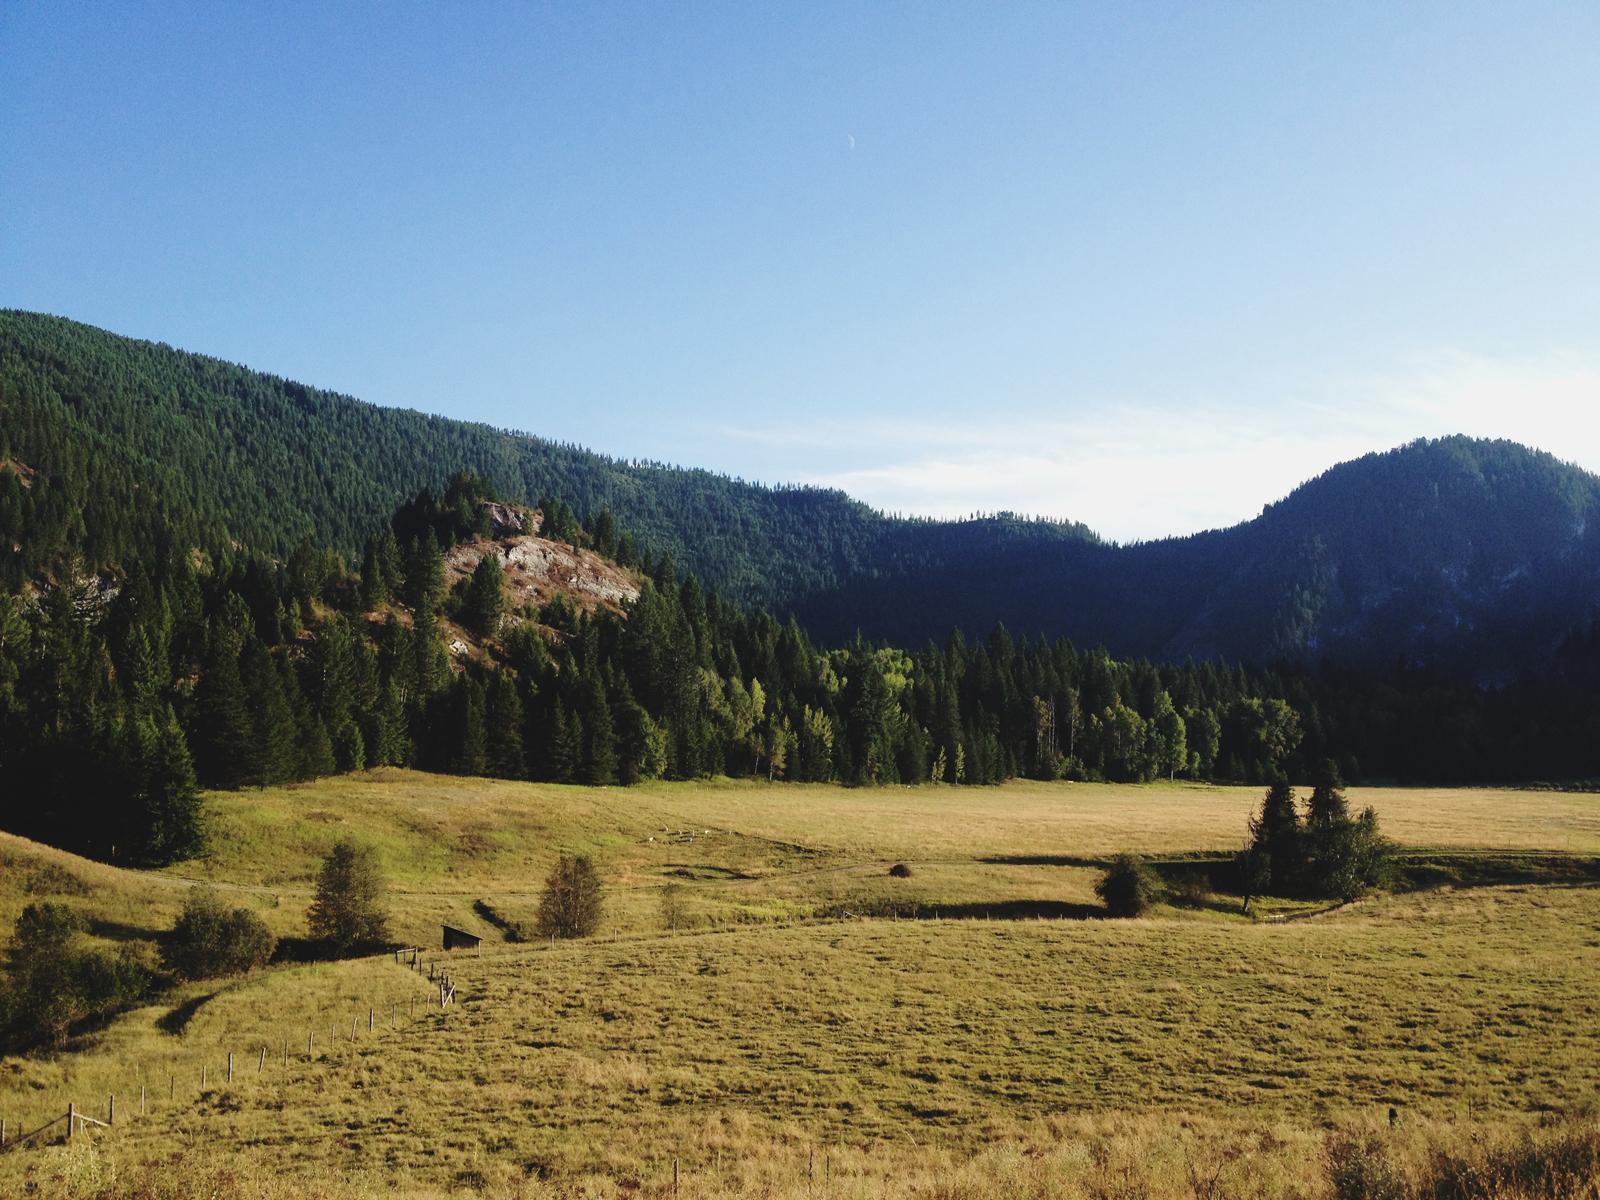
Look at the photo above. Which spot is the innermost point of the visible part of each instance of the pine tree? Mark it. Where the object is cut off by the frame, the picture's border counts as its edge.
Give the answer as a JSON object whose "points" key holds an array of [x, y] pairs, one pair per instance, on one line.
{"points": [[1327, 805], [172, 819], [223, 732], [469, 754], [599, 762], [484, 603], [503, 718], [564, 745]]}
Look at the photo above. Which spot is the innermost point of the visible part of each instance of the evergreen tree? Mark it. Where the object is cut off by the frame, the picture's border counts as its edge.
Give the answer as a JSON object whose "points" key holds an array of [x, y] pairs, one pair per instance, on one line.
{"points": [[599, 760], [484, 602], [171, 820], [505, 755], [564, 745], [1327, 805], [223, 728]]}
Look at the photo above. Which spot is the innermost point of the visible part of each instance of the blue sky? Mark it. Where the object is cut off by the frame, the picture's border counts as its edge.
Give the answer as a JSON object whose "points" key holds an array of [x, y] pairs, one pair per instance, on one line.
{"points": [[1146, 266]]}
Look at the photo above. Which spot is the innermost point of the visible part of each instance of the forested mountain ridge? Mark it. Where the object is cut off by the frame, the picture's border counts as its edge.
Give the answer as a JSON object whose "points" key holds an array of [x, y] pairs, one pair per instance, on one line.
{"points": [[1473, 556], [232, 457]]}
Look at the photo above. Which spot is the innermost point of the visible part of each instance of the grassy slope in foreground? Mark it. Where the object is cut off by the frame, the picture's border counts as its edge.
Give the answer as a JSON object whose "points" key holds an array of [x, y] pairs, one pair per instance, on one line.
{"points": [[900, 1044]]}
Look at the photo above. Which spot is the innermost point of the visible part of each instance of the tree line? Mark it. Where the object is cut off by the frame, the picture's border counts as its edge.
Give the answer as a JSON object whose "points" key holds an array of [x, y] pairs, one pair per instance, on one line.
{"points": [[120, 699]]}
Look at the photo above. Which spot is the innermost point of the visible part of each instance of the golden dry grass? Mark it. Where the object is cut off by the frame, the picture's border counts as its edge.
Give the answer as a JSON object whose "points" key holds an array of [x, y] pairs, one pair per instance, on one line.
{"points": [[929, 1057]]}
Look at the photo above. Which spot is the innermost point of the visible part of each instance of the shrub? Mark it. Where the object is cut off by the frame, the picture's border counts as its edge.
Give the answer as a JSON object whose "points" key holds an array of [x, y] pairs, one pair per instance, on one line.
{"points": [[1191, 888], [674, 909], [51, 983], [1129, 887], [900, 871], [208, 940], [570, 906], [1348, 858], [347, 911], [1360, 1170]]}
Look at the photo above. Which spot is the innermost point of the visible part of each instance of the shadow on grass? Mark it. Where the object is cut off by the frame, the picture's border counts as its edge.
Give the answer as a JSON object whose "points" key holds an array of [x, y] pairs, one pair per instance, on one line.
{"points": [[511, 931], [1422, 871], [996, 910], [177, 1020], [118, 931], [308, 950]]}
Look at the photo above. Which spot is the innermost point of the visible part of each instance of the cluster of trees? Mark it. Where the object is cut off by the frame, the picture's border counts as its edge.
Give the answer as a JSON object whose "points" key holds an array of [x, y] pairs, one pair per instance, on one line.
{"points": [[1327, 852], [53, 980]]}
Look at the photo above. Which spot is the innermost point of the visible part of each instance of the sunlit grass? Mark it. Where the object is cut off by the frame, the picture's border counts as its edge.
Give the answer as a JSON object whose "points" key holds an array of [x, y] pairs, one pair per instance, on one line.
{"points": [[912, 1053]]}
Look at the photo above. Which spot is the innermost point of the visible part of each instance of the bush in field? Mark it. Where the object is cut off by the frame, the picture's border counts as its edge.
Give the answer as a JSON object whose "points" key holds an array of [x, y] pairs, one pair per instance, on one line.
{"points": [[1347, 858], [1129, 887], [208, 940], [1361, 1170], [52, 983], [348, 909], [674, 907], [900, 871], [570, 906], [1191, 889]]}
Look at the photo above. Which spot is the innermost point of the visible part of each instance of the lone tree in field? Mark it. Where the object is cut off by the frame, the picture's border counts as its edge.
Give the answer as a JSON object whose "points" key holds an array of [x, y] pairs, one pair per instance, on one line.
{"points": [[348, 909], [570, 906], [1129, 888]]}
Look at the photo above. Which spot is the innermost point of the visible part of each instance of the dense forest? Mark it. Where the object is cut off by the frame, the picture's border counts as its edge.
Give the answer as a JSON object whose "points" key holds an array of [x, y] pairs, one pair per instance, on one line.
{"points": [[1469, 558], [121, 696]]}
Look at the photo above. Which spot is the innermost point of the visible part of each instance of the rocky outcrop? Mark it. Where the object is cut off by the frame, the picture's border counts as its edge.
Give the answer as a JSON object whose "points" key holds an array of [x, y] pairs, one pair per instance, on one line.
{"points": [[537, 569]]}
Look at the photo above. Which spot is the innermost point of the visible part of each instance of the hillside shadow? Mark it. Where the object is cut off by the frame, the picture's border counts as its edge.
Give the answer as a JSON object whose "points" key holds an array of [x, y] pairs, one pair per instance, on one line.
{"points": [[1014, 910], [119, 931], [511, 931], [1043, 860], [177, 1020], [995, 910]]}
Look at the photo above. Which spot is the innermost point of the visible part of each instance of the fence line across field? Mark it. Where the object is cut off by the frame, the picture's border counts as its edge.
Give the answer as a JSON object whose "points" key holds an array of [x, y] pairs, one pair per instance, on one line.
{"points": [[76, 1121]]}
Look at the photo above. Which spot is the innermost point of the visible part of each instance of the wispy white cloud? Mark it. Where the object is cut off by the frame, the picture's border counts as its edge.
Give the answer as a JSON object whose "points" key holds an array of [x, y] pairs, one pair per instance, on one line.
{"points": [[1136, 471]]}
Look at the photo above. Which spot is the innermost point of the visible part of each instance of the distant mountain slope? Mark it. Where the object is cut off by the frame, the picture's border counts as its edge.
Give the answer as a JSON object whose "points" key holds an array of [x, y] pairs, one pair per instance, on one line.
{"points": [[232, 455], [1473, 556], [1469, 555]]}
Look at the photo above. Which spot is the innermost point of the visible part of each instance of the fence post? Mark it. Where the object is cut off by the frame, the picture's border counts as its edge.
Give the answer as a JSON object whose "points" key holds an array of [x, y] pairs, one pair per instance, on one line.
{"points": [[202, 1078], [72, 1118], [311, 1041], [352, 1029], [369, 1020], [111, 1109], [230, 1066], [172, 1086], [141, 1099], [262, 1065], [674, 1177]]}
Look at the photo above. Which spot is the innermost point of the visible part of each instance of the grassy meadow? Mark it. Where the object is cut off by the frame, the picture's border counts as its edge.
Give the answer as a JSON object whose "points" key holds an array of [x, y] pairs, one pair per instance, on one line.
{"points": [[780, 1039]]}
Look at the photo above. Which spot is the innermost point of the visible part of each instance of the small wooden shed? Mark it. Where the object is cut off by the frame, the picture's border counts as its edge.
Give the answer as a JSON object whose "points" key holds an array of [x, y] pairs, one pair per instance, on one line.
{"points": [[460, 939]]}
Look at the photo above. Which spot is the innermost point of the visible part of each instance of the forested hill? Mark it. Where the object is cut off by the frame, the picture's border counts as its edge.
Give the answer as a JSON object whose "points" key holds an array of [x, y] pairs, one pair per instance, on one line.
{"points": [[1472, 556], [1476, 557], [231, 456]]}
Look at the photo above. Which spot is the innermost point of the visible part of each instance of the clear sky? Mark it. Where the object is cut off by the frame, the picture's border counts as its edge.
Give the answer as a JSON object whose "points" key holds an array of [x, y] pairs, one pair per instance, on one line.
{"points": [[1146, 266]]}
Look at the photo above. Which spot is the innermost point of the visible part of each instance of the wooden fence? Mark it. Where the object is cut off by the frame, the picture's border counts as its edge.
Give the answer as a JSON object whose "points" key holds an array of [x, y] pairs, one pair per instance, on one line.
{"points": [[77, 1121]]}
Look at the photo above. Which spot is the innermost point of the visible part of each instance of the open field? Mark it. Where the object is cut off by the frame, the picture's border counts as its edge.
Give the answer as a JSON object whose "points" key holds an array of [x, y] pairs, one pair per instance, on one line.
{"points": [[930, 1056]]}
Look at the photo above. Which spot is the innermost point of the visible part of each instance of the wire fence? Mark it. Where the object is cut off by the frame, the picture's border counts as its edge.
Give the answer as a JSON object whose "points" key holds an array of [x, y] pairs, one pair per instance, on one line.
{"points": [[442, 994]]}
